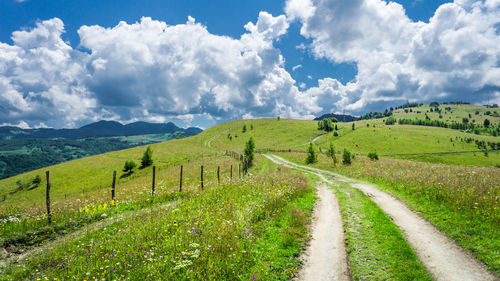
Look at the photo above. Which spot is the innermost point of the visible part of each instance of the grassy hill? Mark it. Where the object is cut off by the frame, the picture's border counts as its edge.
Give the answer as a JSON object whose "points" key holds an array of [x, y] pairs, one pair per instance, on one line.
{"points": [[259, 220], [451, 112], [427, 144]]}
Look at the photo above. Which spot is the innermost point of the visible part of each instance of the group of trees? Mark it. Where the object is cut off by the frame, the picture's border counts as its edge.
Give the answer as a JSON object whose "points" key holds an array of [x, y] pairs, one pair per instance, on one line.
{"points": [[464, 126], [328, 124], [146, 161], [375, 115], [347, 156]]}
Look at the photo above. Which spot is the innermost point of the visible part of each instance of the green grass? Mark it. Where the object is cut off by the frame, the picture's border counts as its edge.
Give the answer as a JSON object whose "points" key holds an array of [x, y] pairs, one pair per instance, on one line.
{"points": [[268, 134], [254, 228], [463, 202], [272, 204], [411, 142], [377, 248], [456, 114], [23, 228]]}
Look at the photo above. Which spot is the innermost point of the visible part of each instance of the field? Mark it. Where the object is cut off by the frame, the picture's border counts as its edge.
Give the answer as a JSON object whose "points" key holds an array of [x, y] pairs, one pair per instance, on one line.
{"points": [[24, 155], [475, 113], [463, 202], [259, 220]]}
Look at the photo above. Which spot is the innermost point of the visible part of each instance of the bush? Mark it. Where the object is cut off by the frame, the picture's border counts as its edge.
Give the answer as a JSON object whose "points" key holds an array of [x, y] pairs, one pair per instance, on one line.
{"points": [[346, 157], [147, 158], [129, 167], [486, 123], [390, 121], [244, 129], [312, 157], [335, 134], [248, 154], [37, 180], [373, 155], [331, 153]]}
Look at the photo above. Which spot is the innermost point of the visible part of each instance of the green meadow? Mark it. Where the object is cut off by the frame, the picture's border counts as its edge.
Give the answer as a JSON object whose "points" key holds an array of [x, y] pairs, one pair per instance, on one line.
{"points": [[253, 226]]}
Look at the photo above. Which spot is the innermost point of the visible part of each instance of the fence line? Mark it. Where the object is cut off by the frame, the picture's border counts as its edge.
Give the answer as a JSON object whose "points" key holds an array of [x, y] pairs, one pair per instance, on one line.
{"points": [[55, 185]]}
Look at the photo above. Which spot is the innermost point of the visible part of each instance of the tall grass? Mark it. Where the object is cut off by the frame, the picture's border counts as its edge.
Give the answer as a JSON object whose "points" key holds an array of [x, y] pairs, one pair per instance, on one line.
{"points": [[242, 230], [463, 202]]}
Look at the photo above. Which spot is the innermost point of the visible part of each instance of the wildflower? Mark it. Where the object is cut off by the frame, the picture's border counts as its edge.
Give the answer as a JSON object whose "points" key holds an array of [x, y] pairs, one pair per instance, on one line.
{"points": [[253, 277], [112, 269]]}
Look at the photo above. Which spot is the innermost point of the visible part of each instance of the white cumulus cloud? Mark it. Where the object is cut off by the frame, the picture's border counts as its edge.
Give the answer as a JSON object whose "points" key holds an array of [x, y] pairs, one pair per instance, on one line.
{"points": [[147, 70], [456, 56]]}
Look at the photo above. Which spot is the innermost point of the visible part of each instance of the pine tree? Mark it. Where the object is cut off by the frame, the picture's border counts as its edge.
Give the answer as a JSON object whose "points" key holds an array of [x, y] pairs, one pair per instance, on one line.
{"points": [[249, 154], [147, 158], [346, 157], [129, 167], [312, 157], [331, 153]]}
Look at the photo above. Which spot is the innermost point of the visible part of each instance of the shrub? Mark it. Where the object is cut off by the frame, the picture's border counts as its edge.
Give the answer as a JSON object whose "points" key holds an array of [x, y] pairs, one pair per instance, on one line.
{"points": [[346, 157], [37, 180], [335, 134], [312, 157], [331, 153], [249, 154], [244, 128], [129, 167], [147, 157], [373, 155], [390, 121], [486, 123], [353, 126]]}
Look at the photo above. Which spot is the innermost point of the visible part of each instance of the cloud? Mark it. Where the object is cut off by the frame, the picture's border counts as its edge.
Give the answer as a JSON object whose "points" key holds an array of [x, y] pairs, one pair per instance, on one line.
{"points": [[296, 67], [456, 56], [21, 124], [147, 70], [150, 70]]}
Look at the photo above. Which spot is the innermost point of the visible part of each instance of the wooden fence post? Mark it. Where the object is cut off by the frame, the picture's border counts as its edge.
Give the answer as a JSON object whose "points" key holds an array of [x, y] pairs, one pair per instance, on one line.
{"points": [[113, 186], [47, 198], [154, 173], [239, 171], [231, 172], [180, 182], [201, 177], [218, 175]]}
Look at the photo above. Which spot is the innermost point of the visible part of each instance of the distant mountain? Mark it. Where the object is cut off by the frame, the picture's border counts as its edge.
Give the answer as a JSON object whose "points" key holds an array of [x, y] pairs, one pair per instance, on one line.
{"points": [[340, 117], [97, 129]]}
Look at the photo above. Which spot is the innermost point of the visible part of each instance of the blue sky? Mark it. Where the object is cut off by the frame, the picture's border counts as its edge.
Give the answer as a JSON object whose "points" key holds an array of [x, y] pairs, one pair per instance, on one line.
{"points": [[219, 16], [322, 70]]}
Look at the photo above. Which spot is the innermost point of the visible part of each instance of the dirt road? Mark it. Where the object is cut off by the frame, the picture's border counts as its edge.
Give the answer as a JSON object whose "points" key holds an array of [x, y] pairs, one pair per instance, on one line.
{"points": [[442, 257]]}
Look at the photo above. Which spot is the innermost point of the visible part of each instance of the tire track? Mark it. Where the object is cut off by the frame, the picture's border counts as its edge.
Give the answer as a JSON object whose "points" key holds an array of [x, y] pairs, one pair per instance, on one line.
{"points": [[325, 257], [442, 257]]}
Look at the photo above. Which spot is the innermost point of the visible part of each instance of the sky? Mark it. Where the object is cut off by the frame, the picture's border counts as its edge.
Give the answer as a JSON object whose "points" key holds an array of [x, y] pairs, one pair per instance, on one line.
{"points": [[201, 63]]}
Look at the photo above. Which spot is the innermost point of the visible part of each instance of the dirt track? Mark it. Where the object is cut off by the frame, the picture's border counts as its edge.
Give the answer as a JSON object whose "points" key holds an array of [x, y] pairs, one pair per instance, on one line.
{"points": [[325, 258], [442, 257]]}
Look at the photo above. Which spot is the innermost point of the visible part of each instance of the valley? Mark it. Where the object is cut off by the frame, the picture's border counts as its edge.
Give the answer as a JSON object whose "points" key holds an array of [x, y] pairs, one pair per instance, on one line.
{"points": [[219, 223]]}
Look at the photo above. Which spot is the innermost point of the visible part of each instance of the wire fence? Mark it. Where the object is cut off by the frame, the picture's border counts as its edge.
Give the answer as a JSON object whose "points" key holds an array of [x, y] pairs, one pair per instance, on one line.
{"points": [[53, 193]]}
